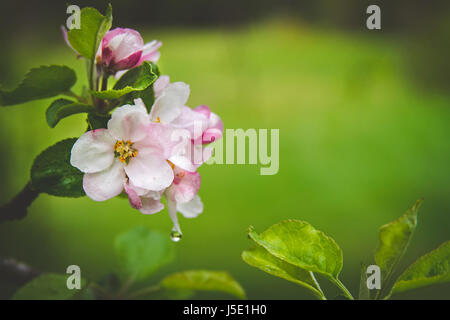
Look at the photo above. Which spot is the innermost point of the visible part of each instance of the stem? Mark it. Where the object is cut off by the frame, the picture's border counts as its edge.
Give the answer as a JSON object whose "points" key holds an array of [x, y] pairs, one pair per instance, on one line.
{"points": [[102, 106], [322, 295], [91, 65], [100, 291], [17, 208], [74, 95], [343, 288], [105, 81], [125, 287], [144, 291], [16, 272]]}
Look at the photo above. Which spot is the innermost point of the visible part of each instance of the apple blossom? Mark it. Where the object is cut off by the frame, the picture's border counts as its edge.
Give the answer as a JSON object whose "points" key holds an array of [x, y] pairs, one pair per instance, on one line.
{"points": [[208, 124], [130, 149], [124, 48], [182, 196]]}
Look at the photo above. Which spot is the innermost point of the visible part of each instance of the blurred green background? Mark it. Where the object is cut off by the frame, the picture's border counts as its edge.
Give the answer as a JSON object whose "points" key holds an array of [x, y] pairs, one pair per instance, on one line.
{"points": [[364, 132]]}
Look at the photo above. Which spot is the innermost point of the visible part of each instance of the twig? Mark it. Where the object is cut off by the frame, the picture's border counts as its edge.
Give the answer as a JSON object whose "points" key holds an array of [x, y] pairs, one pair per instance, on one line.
{"points": [[16, 209]]}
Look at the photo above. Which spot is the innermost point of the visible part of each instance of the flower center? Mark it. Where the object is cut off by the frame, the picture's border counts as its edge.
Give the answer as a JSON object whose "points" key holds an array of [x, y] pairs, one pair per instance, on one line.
{"points": [[124, 151]]}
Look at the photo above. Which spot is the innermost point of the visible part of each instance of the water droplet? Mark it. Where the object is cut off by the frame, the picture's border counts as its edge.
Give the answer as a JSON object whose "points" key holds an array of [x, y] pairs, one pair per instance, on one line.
{"points": [[175, 235]]}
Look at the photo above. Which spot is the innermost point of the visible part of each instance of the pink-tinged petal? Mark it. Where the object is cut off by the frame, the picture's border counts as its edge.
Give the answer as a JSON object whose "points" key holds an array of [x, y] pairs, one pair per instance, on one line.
{"points": [[181, 155], [139, 103], [192, 208], [215, 129], [195, 122], [192, 156], [211, 135], [185, 186], [129, 62], [106, 184], [169, 104], [151, 47], [155, 195], [66, 39], [122, 42], [151, 206], [150, 51], [161, 84], [119, 74], [139, 191], [161, 139], [128, 123], [152, 57], [112, 34], [207, 153], [149, 171], [133, 197], [203, 109], [183, 162], [172, 207], [93, 151]]}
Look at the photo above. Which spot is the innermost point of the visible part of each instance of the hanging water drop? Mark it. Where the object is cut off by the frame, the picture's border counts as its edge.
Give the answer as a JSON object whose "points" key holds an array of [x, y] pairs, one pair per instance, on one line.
{"points": [[175, 235]]}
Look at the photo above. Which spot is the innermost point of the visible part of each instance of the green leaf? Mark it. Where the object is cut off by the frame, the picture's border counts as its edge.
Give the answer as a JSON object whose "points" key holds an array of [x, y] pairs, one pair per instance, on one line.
{"points": [[97, 121], [364, 293], [93, 26], [52, 172], [147, 95], [136, 79], [259, 257], [40, 83], [432, 268], [63, 108], [48, 286], [394, 238], [142, 251], [300, 244], [204, 280]]}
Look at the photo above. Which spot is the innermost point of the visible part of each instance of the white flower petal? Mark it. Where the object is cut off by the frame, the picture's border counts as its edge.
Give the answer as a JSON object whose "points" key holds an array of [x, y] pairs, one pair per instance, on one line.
{"points": [[161, 84], [93, 151], [172, 207], [192, 208], [169, 104], [129, 123], [149, 171], [106, 184], [151, 206]]}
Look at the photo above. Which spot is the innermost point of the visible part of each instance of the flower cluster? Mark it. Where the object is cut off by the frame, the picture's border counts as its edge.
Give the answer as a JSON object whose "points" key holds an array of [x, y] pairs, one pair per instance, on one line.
{"points": [[147, 155]]}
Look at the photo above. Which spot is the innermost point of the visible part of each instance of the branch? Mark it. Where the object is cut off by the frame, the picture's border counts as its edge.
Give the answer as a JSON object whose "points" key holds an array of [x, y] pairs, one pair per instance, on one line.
{"points": [[16, 272], [16, 209]]}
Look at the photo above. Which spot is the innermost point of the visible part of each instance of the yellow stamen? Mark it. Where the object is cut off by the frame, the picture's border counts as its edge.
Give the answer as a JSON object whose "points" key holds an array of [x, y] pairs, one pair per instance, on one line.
{"points": [[171, 164], [124, 151], [181, 174]]}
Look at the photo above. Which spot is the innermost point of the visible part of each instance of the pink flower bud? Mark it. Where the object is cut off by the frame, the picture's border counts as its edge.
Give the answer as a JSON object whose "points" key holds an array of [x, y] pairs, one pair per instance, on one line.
{"points": [[121, 49]]}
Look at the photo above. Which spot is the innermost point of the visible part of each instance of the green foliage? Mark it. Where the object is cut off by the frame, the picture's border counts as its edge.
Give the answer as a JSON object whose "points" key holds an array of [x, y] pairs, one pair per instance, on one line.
{"points": [[48, 286], [293, 250], [136, 79], [62, 108], [40, 83], [204, 280], [52, 172], [394, 238], [364, 293], [97, 121], [260, 258], [432, 268], [141, 251], [93, 26], [300, 244], [147, 95]]}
